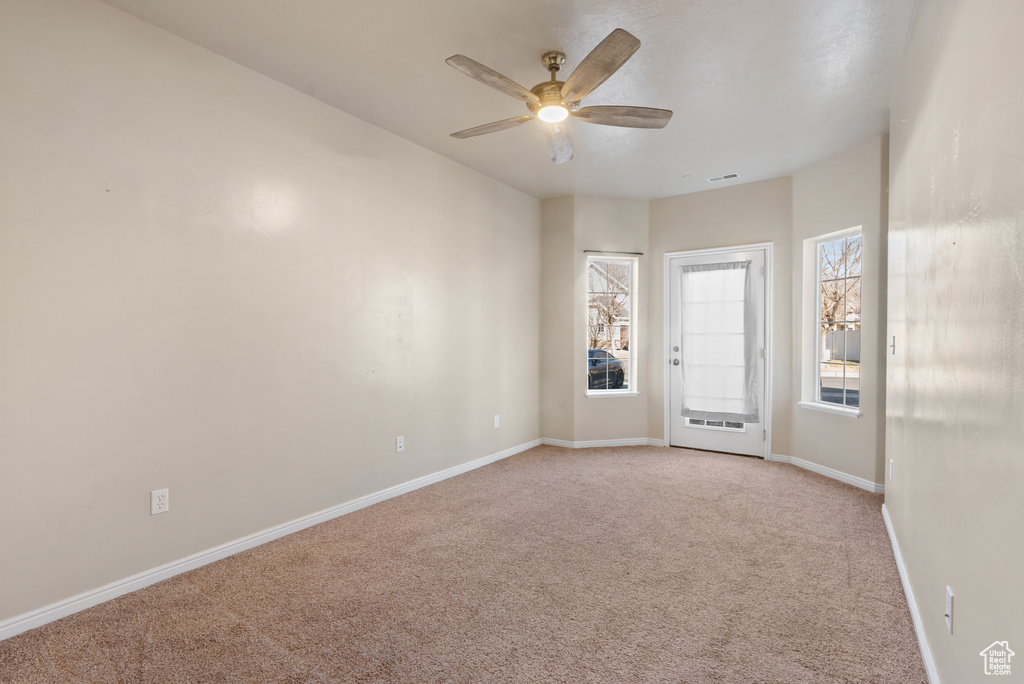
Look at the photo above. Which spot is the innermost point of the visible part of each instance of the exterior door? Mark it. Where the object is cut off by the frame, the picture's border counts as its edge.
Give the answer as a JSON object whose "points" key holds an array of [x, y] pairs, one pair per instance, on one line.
{"points": [[716, 349]]}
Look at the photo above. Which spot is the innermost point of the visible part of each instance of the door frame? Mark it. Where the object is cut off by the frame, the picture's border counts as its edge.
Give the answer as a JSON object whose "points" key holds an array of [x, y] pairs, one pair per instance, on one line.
{"points": [[769, 320]]}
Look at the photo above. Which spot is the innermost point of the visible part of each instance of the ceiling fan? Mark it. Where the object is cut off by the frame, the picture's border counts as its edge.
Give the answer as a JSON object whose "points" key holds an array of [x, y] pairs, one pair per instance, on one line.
{"points": [[554, 101]]}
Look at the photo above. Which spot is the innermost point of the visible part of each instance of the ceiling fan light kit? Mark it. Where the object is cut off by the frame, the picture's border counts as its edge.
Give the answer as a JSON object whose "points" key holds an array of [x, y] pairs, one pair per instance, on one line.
{"points": [[554, 101], [553, 113]]}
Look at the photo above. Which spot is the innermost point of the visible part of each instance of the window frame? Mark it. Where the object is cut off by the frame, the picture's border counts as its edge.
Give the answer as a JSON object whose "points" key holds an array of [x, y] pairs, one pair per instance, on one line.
{"points": [[632, 371], [811, 387]]}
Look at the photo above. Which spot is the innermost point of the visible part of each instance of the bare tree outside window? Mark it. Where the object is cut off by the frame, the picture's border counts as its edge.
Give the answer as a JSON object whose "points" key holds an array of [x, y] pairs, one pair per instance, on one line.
{"points": [[609, 325], [839, 278]]}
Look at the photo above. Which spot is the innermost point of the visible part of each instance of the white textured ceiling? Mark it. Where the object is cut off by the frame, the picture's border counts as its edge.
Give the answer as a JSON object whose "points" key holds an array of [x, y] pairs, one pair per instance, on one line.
{"points": [[759, 87]]}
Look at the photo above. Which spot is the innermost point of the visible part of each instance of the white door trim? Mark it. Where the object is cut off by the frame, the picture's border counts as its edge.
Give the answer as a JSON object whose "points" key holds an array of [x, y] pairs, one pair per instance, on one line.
{"points": [[769, 263]]}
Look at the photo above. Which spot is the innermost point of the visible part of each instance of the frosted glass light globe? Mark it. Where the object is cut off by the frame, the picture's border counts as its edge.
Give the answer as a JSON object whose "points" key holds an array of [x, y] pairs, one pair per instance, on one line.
{"points": [[553, 113]]}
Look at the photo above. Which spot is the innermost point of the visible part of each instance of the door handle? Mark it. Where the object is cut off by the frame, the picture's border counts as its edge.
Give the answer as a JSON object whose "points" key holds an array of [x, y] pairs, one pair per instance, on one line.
{"points": [[675, 362]]}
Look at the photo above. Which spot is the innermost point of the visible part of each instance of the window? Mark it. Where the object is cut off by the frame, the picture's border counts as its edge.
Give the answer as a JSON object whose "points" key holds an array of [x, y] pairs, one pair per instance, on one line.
{"points": [[611, 348], [838, 321]]}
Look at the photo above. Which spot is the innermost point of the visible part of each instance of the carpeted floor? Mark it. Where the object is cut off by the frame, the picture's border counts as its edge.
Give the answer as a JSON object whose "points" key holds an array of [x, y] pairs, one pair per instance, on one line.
{"points": [[636, 564]]}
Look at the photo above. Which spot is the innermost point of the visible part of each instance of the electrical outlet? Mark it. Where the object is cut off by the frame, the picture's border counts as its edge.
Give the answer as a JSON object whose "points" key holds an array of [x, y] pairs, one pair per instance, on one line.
{"points": [[159, 501], [949, 610], [497, 421], [399, 444], [890, 470]]}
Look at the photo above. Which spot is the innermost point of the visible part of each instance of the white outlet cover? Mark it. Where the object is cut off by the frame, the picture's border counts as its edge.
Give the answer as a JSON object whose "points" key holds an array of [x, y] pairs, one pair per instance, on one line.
{"points": [[497, 421], [399, 444], [159, 501], [890, 470]]}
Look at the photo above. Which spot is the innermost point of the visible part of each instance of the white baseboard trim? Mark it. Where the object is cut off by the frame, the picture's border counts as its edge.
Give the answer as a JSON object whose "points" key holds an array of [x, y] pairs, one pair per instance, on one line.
{"points": [[915, 615], [55, 611], [632, 441], [870, 486]]}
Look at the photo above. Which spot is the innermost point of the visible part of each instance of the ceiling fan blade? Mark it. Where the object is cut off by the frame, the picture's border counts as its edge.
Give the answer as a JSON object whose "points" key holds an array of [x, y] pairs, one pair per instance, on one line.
{"points": [[560, 143], [603, 61], [493, 127], [629, 117], [492, 78]]}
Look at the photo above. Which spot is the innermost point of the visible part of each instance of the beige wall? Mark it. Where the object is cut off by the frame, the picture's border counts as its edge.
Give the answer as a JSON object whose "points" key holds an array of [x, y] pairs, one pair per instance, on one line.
{"points": [[558, 320], [572, 225], [845, 191], [955, 401], [610, 225], [737, 215], [215, 284]]}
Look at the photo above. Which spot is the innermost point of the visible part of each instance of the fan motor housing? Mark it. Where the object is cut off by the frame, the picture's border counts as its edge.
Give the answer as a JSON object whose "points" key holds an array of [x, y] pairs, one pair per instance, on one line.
{"points": [[549, 93]]}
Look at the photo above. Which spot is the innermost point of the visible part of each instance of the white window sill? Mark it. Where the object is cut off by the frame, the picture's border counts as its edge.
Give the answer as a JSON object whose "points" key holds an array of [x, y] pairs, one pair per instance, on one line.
{"points": [[599, 394], [830, 408]]}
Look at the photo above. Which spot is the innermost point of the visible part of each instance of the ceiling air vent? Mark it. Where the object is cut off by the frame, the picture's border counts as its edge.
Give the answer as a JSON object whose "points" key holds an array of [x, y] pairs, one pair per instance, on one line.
{"points": [[719, 179]]}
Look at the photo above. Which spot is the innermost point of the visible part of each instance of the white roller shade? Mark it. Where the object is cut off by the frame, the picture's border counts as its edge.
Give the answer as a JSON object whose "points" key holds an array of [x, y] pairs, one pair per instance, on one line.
{"points": [[719, 344]]}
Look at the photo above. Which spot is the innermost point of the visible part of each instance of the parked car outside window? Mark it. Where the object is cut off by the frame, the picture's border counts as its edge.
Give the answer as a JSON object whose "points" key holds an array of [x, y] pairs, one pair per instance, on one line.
{"points": [[604, 370]]}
